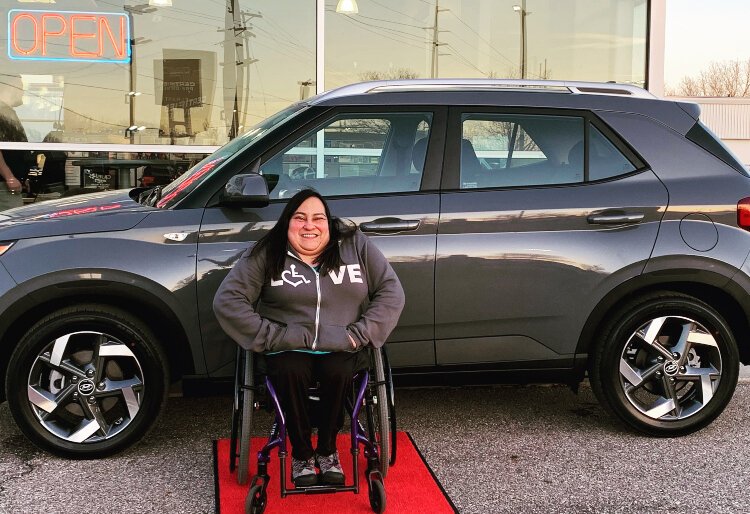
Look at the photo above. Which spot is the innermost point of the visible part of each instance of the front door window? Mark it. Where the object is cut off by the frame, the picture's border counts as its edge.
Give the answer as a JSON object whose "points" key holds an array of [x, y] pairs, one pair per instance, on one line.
{"points": [[354, 154]]}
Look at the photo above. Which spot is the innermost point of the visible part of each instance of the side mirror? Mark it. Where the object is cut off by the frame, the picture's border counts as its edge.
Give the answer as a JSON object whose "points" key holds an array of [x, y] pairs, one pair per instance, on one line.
{"points": [[245, 190]]}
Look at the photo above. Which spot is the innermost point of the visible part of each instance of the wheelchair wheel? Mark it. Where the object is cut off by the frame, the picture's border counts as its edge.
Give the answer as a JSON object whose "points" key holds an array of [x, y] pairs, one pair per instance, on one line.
{"points": [[247, 395], [391, 406], [380, 426], [376, 492], [255, 502], [236, 411]]}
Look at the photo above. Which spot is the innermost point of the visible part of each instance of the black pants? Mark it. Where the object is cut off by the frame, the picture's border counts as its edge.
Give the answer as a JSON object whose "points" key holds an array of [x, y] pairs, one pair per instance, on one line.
{"points": [[292, 374]]}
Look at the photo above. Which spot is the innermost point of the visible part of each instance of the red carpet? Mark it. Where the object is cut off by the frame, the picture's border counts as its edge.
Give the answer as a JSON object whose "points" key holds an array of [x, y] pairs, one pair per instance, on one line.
{"points": [[410, 485]]}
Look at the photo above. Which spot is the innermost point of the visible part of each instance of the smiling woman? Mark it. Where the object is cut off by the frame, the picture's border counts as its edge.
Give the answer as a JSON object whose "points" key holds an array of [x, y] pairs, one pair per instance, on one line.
{"points": [[308, 232], [290, 298]]}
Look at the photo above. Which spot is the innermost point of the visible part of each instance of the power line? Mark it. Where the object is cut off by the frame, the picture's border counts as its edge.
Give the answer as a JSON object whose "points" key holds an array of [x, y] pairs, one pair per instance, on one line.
{"points": [[395, 32], [399, 12], [389, 32], [463, 59], [281, 29], [118, 125], [390, 21], [489, 44]]}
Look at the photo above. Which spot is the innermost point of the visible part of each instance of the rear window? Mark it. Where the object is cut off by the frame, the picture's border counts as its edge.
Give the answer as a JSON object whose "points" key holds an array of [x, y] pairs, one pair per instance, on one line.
{"points": [[605, 160], [522, 150], [703, 137]]}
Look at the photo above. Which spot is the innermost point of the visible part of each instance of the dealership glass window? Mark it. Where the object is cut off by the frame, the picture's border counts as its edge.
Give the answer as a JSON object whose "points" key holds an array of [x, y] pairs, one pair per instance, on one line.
{"points": [[55, 173], [197, 73], [565, 39], [354, 154], [521, 150]]}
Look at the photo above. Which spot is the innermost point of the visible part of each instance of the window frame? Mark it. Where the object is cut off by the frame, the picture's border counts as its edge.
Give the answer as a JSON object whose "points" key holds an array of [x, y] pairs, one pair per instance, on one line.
{"points": [[451, 177]]}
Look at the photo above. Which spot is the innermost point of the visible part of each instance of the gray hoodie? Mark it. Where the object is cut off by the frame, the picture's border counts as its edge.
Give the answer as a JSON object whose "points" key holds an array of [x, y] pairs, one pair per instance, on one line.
{"points": [[305, 309]]}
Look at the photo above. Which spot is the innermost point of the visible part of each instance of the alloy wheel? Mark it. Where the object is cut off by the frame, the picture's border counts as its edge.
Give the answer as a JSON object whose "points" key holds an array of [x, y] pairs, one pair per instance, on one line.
{"points": [[85, 387], [670, 368]]}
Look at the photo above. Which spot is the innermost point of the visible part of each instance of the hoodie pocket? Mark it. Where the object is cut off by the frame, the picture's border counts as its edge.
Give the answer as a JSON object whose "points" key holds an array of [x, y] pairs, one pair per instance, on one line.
{"points": [[334, 338], [294, 337]]}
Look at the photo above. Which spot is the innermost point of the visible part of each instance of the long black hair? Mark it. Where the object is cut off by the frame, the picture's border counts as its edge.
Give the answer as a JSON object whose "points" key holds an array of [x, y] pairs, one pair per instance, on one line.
{"points": [[275, 242]]}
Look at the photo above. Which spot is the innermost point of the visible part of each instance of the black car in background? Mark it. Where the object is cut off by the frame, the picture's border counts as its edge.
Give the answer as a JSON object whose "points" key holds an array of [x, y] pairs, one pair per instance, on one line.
{"points": [[543, 231]]}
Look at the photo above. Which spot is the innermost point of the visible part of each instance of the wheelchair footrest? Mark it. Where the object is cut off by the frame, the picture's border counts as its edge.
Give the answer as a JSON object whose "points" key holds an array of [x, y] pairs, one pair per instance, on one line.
{"points": [[321, 489]]}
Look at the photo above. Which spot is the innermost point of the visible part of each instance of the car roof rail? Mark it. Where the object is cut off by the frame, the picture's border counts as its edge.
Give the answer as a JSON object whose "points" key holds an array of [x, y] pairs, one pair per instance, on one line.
{"points": [[559, 86]]}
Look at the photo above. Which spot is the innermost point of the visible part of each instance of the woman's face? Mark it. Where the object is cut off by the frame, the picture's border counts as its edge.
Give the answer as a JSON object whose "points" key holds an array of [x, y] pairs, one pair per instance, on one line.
{"points": [[308, 230]]}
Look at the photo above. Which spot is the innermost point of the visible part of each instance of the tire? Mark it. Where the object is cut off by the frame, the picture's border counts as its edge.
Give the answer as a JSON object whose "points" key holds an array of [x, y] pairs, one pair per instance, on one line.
{"points": [[236, 411], [247, 403], [382, 428], [376, 493], [255, 501], [391, 407], [667, 366], [87, 381]]}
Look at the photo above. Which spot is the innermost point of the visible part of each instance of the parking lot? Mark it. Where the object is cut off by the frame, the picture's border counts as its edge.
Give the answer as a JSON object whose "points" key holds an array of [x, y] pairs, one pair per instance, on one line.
{"points": [[498, 449]]}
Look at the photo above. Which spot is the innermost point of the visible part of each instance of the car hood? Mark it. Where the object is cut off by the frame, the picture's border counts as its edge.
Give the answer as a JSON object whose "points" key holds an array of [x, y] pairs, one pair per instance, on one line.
{"points": [[96, 212]]}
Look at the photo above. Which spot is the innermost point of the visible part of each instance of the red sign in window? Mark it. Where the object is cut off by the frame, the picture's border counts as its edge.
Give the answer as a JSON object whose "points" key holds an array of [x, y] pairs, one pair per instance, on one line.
{"points": [[68, 36]]}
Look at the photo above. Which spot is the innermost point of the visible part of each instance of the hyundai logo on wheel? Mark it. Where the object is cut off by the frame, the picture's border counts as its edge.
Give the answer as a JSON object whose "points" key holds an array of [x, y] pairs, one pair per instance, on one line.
{"points": [[670, 368], [86, 387]]}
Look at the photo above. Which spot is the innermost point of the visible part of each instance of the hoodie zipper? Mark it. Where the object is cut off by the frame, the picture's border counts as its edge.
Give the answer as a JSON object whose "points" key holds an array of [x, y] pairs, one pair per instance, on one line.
{"points": [[317, 289]]}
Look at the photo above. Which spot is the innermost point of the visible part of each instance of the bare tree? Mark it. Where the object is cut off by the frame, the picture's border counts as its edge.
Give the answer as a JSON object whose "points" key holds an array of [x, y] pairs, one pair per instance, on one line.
{"points": [[400, 73], [727, 78]]}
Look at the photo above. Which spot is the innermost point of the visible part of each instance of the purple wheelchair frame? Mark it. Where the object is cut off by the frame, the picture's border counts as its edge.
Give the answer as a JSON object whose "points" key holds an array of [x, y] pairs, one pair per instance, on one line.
{"points": [[277, 439]]}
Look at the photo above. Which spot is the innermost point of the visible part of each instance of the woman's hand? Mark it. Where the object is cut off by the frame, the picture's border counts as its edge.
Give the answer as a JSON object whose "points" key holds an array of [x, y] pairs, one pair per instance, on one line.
{"points": [[351, 340]]}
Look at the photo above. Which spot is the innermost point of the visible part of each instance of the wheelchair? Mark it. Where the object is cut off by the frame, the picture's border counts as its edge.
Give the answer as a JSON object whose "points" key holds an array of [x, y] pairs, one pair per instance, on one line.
{"points": [[371, 409]]}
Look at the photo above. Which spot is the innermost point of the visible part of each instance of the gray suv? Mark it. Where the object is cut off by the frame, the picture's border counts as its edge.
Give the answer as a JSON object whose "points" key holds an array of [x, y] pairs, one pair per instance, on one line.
{"points": [[543, 231]]}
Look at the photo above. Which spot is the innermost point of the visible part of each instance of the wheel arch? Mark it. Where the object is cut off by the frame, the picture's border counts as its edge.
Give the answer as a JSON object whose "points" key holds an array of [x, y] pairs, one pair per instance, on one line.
{"points": [[715, 289], [135, 295]]}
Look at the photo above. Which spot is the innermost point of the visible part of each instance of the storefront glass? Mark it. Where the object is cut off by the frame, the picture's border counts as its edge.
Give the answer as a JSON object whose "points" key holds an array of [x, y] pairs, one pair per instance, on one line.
{"points": [[55, 173], [194, 74], [198, 72], [598, 40]]}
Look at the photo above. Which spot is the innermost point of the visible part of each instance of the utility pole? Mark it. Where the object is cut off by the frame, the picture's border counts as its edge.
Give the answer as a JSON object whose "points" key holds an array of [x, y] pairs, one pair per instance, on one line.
{"points": [[236, 49], [436, 44], [133, 91], [521, 10], [523, 39], [132, 10]]}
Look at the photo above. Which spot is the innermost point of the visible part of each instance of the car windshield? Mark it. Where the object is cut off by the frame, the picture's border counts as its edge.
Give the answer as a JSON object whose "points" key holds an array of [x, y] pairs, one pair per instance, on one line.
{"points": [[191, 179]]}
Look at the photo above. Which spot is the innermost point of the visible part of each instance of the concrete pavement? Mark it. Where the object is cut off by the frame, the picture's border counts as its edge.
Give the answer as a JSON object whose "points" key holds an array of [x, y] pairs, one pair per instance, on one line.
{"points": [[529, 449]]}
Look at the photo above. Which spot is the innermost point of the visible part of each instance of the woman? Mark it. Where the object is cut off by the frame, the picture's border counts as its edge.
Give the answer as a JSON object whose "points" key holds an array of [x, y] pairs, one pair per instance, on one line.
{"points": [[310, 294]]}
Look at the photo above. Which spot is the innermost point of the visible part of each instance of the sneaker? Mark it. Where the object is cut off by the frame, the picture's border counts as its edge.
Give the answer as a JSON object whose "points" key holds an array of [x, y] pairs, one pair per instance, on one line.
{"points": [[303, 472], [330, 469]]}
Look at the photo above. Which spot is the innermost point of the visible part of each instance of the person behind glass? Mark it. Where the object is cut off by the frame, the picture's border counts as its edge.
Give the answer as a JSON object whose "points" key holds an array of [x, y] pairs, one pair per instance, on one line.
{"points": [[13, 163], [309, 295]]}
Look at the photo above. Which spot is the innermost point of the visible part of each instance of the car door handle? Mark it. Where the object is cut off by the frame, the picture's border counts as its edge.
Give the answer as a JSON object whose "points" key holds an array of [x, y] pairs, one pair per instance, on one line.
{"points": [[389, 225], [615, 218]]}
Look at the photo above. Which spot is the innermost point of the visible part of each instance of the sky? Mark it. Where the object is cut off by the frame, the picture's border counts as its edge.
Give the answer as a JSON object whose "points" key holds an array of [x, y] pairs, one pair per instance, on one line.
{"points": [[701, 31]]}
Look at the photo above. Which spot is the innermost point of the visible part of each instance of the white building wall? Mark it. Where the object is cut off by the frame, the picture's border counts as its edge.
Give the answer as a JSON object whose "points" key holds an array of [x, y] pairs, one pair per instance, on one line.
{"points": [[728, 118]]}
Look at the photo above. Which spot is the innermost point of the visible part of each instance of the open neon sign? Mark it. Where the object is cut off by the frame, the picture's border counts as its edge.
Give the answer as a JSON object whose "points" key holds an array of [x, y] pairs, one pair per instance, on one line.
{"points": [[68, 36]]}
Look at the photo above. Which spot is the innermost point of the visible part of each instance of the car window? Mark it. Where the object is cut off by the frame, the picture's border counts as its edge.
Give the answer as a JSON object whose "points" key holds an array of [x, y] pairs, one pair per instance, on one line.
{"points": [[354, 154], [520, 150], [605, 160]]}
